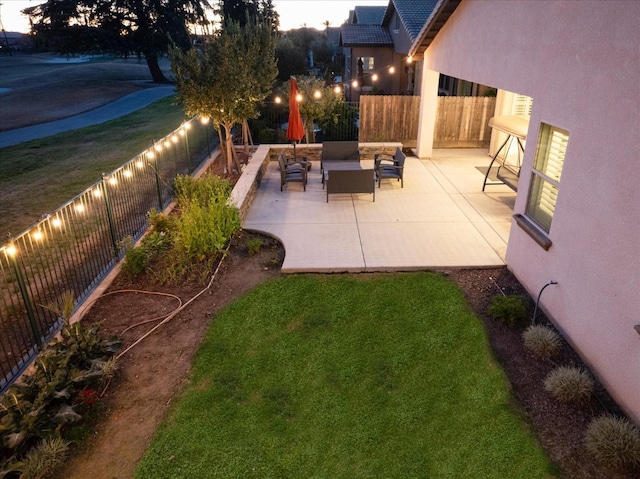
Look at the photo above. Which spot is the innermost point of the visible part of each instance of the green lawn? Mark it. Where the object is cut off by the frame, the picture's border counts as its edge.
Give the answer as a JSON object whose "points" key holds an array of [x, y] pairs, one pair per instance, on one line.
{"points": [[343, 376], [40, 175]]}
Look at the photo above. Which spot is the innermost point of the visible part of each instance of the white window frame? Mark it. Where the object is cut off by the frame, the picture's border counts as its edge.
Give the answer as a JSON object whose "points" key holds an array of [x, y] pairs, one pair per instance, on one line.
{"points": [[545, 175]]}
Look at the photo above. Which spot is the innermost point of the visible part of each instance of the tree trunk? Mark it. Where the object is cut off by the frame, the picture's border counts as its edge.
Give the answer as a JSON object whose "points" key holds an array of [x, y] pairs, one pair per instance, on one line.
{"points": [[228, 144], [156, 74]]}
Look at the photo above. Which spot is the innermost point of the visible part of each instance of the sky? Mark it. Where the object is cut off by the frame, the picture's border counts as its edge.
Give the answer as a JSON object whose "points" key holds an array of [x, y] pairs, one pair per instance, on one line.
{"points": [[293, 13]]}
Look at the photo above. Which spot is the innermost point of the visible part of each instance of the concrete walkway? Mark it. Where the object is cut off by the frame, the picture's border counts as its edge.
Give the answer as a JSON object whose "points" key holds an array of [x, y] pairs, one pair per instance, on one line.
{"points": [[440, 219], [125, 105]]}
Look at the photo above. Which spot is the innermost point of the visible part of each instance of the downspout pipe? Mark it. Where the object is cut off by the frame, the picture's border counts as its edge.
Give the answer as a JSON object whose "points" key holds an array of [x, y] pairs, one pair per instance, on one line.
{"points": [[535, 311]]}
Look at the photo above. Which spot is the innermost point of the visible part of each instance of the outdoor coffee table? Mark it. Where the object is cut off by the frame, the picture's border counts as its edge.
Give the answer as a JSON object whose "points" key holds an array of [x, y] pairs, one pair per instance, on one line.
{"points": [[338, 165]]}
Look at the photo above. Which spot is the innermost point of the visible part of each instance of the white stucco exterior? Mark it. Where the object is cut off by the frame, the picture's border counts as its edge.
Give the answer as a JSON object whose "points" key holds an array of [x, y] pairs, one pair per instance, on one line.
{"points": [[580, 61]]}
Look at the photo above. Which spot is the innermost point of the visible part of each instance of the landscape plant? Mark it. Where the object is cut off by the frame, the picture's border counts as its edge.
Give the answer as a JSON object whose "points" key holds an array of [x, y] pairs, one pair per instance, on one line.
{"points": [[187, 244], [38, 411], [508, 309], [542, 341], [614, 442], [569, 384]]}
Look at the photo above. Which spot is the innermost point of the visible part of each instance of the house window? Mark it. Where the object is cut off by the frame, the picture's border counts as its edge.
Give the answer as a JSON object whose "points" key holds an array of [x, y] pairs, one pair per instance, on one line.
{"points": [[545, 177]]}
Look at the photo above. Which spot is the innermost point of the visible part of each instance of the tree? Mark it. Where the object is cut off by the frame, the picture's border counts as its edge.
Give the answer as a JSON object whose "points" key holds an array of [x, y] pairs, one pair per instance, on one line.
{"points": [[318, 103], [227, 78], [142, 27], [242, 11]]}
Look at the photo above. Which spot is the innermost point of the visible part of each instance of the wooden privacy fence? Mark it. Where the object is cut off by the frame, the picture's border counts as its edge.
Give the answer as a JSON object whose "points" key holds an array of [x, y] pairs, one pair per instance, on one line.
{"points": [[461, 122]]}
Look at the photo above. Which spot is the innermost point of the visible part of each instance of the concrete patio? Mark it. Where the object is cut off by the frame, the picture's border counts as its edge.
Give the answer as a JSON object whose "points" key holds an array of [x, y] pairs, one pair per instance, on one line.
{"points": [[440, 219]]}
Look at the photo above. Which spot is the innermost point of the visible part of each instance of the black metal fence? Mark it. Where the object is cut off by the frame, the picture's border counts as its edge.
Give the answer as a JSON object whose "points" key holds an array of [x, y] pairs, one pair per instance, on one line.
{"points": [[339, 124], [75, 247]]}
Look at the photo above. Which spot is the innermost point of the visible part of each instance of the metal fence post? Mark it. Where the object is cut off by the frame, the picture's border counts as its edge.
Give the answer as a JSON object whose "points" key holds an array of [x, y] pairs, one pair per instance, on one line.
{"points": [[26, 299], [155, 169], [112, 225], [185, 129]]}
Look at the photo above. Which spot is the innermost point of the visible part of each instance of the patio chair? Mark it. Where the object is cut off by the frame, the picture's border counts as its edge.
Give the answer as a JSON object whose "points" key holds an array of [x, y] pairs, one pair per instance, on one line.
{"points": [[292, 172], [390, 166]]}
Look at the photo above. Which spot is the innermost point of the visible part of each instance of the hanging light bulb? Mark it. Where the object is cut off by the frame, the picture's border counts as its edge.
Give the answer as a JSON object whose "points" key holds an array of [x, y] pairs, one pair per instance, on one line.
{"points": [[354, 83], [167, 143], [127, 173], [56, 222], [97, 192], [37, 235], [204, 120], [113, 181], [157, 147], [409, 59], [298, 97], [317, 95], [80, 208], [392, 69], [374, 77], [187, 126], [140, 163], [11, 250], [181, 131], [337, 89], [277, 100]]}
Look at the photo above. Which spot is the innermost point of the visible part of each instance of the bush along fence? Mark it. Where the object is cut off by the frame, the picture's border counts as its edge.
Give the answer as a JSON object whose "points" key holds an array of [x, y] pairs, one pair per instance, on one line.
{"points": [[76, 246]]}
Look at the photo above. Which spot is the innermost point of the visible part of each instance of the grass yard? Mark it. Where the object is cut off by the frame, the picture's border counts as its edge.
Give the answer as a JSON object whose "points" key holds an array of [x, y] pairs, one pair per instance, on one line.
{"points": [[40, 175], [337, 376]]}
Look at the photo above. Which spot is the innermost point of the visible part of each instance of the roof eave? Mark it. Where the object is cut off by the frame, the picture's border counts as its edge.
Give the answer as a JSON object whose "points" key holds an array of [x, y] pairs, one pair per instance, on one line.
{"points": [[441, 13]]}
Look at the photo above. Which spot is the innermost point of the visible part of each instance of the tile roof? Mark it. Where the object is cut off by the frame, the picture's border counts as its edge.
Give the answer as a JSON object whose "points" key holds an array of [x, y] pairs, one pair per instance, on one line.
{"points": [[413, 14], [354, 34], [367, 15]]}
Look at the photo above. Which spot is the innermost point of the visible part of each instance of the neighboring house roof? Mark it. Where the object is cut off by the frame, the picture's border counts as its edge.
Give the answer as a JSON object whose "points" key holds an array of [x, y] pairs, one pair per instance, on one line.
{"points": [[436, 20], [355, 35], [367, 15], [413, 14]]}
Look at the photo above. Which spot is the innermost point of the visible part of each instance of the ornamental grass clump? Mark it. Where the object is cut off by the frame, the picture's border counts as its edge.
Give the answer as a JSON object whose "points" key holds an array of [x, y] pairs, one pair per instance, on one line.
{"points": [[43, 459], [614, 442], [569, 384], [542, 341], [508, 309]]}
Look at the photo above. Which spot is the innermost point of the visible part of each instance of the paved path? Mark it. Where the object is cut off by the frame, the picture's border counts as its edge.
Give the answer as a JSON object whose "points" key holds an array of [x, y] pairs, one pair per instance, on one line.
{"points": [[125, 105]]}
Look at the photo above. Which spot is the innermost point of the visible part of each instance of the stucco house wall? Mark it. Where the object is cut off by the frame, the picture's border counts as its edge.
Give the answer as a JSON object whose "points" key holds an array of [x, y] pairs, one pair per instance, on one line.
{"points": [[580, 61]]}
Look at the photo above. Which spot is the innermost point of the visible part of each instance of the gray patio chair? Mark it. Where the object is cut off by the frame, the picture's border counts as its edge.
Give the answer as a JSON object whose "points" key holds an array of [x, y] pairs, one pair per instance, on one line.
{"points": [[292, 172], [390, 166]]}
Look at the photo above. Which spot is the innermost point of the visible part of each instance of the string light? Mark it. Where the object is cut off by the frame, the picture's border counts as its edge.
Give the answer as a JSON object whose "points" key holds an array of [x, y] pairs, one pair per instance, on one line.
{"points": [[167, 143], [140, 163], [392, 69], [317, 95], [204, 120], [56, 222], [187, 126], [37, 235], [11, 250], [374, 77], [278, 100], [174, 138], [157, 147], [80, 208], [354, 83], [97, 192], [181, 131], [127, 173], [337, 89], [298, 97], [113, 181]]}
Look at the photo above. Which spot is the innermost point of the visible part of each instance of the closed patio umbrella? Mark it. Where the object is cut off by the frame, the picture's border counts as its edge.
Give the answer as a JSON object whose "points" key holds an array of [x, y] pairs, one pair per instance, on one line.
{"points": [[295, 129]]}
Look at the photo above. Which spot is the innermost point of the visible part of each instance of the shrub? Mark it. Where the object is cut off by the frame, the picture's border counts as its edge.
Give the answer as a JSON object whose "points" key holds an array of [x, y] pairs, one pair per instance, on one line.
{"points": [[43, 459], [254, 245], [510, 309], [542, 341], [43, 404], [614, 442], [135, 261], [569, 384]]}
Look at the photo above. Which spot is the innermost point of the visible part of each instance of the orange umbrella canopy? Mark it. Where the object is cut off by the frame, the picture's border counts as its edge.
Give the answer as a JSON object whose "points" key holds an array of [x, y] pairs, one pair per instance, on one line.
{"points": [[295, 129]]}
